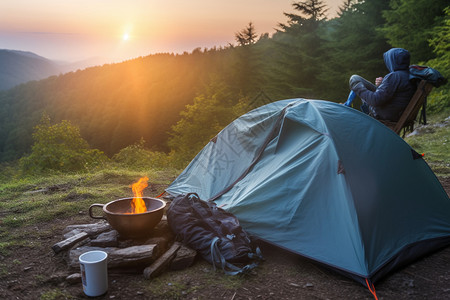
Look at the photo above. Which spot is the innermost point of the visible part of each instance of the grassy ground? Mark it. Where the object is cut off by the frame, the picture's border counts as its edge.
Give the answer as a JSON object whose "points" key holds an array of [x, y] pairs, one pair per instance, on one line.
{"points": [[33, 200], [434, 141]]}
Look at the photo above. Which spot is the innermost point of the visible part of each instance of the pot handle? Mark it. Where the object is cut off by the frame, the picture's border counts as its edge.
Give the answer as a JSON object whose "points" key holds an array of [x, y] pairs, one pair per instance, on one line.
{"points": [[90, 211]]}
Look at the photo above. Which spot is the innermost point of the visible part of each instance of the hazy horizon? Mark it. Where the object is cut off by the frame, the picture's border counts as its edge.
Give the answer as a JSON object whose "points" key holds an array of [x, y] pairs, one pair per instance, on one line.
{"points": [[118, 30]]}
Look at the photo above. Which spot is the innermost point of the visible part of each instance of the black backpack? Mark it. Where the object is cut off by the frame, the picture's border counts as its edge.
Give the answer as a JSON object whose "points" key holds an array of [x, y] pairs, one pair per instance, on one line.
{"points": [[417, 73], [214, 233]]}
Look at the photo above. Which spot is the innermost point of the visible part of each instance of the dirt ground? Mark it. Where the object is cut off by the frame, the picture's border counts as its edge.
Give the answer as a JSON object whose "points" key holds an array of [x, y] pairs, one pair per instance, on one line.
{"points": [[40, 274]]}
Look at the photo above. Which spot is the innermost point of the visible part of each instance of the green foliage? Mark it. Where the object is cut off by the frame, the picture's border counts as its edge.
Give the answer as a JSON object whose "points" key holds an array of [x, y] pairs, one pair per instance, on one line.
{"points": [[201, 121], [440, 42], [9, 171], [137, 157], [439, 99], [352, 46], [297, 67], [433, 141], [60, 147], [311, 11], [113, 105], [246, 74], [55, 294], [409, 25]]}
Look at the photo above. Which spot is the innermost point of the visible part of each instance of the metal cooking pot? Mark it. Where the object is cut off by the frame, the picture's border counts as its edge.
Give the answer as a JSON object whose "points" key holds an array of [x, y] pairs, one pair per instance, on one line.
{"points": [[131, 225]]}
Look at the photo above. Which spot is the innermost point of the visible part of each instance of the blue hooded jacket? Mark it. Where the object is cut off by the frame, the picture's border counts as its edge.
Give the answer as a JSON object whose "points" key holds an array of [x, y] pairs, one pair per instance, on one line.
{"points": [[392, 96]]}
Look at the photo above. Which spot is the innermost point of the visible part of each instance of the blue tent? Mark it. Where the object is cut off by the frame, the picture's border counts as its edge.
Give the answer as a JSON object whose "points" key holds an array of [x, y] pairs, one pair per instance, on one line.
{"points": [[327, 182]]}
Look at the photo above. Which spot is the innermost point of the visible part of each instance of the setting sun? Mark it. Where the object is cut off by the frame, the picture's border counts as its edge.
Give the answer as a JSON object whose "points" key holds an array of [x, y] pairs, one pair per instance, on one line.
{"points": [[133, 28]]}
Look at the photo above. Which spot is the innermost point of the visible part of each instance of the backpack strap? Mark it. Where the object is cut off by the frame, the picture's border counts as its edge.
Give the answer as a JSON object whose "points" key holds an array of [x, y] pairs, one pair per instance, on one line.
{"points": [[228, 268]]}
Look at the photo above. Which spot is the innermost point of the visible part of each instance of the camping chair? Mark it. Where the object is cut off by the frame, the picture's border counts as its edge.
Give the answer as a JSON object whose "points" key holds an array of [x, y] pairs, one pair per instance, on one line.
{"points": [[409, 115]]}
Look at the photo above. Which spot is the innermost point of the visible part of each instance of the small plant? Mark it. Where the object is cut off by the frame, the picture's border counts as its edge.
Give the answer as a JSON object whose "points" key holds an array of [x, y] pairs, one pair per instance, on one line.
{"points": [[4, 248], [3, 271], [55, 294]]}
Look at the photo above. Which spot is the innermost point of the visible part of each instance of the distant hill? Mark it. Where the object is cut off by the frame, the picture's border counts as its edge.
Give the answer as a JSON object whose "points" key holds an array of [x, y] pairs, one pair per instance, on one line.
{"points": [[114, 105], [18, 67]]}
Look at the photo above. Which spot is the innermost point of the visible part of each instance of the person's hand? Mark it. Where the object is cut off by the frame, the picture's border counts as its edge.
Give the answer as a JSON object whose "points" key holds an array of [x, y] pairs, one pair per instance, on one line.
{"points": [[378, 81]]}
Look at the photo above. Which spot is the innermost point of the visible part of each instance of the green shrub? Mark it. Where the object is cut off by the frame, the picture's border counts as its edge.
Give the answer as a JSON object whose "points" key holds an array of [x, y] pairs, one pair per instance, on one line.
{"points": [[440, 42], [138, 158], [60, 147]]}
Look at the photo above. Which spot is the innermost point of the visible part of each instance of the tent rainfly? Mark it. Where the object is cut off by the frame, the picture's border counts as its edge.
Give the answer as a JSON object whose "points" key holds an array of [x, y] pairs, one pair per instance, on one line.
{"points": [[327, 182]]}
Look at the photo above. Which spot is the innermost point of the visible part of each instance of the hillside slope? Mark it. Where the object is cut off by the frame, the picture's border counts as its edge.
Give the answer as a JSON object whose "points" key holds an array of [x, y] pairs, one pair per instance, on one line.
{"points": [[18, 67], [113, 105]]}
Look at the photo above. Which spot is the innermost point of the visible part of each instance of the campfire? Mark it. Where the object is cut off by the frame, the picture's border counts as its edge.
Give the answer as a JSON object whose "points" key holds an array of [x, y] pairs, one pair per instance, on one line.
{"points": [[136, 236], [132, 217], [138, 204]]}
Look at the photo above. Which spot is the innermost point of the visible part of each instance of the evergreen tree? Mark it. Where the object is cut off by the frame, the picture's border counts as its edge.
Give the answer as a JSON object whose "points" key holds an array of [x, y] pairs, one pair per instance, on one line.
{"points": [[439, 100], [246, 36], [299, 46], [247, 62], [353, 46], [409, 25], [311, 11]]}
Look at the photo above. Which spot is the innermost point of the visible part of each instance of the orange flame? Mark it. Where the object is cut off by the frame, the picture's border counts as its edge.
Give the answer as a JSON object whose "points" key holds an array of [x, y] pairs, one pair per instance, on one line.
{"points": [[138, 204]]}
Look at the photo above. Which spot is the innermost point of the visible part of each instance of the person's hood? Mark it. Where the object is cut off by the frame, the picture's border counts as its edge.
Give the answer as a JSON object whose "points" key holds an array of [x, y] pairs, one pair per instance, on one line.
{"points": [[396, 59]]}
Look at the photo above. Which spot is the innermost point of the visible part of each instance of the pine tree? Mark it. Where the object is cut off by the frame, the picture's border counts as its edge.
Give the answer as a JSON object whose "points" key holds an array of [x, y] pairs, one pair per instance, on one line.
{"points": [[353, 46], [299, 46], [246, 67], [246, 36], [409, 25]]}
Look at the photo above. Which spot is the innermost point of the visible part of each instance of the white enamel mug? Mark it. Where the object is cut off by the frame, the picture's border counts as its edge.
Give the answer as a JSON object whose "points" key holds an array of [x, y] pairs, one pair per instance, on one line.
{"points": [[94, 272]]}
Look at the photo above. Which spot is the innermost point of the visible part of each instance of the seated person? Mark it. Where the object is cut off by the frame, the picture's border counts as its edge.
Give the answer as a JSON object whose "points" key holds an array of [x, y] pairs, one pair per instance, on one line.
{"points": [[388, 98]]}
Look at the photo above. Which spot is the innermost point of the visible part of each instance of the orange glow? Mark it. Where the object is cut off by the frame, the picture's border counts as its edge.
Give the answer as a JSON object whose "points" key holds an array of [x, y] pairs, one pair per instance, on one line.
{"points": [[53, 29], [138, 204]]}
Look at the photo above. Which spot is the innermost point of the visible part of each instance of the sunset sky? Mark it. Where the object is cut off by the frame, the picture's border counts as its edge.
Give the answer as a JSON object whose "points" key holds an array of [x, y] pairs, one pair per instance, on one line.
{"points": [[115, 30]]}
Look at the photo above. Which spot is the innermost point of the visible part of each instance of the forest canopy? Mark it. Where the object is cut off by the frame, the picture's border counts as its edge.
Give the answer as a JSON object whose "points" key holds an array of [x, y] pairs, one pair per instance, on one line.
{"points": [[177, 102]]}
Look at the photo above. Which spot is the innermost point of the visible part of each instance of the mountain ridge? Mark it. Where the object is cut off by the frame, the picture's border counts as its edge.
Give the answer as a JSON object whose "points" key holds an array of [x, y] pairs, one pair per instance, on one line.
{"points": [[18, 67]]}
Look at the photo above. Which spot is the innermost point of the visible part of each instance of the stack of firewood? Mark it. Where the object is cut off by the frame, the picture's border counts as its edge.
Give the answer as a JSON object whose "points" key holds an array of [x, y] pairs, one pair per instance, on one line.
{"points": [[151, 255]]}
